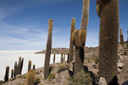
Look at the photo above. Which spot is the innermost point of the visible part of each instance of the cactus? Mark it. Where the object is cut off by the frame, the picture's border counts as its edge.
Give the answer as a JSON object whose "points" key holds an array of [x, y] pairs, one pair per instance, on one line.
{"points": [[6, 74], [54, 58], [15, 69], [64, 58], [12, 73], [108, 47], [21, 65], [34, 67], [127, 37], [71, 44], [121, 39], [48, 49], [61, 57], [78, 41], [85, 15], [29, 65], [30, 77], [68, 57]]}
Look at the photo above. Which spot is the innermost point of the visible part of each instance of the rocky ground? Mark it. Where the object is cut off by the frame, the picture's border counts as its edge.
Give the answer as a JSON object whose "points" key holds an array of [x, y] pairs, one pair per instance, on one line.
{"points": [[61, 73]]}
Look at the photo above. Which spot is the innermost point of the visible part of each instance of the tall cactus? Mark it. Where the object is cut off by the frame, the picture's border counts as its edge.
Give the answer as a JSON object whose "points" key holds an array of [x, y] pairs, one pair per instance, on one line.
{"points": [[121, 37], [21, 65], [108, 47], [54, 58], [85, 14], [64, 58], [48, 49], [78, 38], [30, 77], [127, 37], [15, 69], [68, 57], [61, 57], [12, 73], [6, 74], [34, 67], [71, 44], [29, 65]]}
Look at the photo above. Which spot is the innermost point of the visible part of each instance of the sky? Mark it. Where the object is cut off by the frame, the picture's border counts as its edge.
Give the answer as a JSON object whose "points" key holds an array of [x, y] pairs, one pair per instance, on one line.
{"points": [[24, 23]]}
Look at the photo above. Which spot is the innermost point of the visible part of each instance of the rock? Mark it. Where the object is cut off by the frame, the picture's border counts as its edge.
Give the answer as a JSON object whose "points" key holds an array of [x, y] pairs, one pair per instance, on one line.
{"points": [[119, 70], [125, 83], [102, 81], [120, 57], [120, 65]]}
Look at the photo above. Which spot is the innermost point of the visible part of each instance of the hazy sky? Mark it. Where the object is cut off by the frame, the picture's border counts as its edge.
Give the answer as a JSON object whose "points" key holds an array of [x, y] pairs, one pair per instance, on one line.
{"points": [[24, 23]]}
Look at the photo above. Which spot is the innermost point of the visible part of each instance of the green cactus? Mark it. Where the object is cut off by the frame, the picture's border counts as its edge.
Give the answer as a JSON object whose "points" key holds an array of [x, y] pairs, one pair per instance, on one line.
{"points": [[48, 49], [108, 47], [121, 37], [30, 77], [12, 73], [61, 57], [29, 65], [15, 69], [6, 74], [71, 44], [78, 42], [54, 58], [21, 65], [34, 67]]}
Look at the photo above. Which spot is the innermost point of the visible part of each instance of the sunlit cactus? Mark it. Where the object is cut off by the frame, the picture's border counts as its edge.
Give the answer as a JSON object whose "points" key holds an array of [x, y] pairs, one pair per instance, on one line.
{"points": [[12, 73], [121, 37], [108, 47], [19, 66], [6, 74], [22, 61], [30, 77], [48, 49], [78, 41], [71, 44], [15, 69], [34, 67], [29, 65], [61, 57], [54, 58]]}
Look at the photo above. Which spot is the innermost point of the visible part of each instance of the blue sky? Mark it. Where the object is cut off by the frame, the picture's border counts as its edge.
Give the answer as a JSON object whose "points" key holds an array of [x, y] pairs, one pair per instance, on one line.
{"points": [[24, 23]]}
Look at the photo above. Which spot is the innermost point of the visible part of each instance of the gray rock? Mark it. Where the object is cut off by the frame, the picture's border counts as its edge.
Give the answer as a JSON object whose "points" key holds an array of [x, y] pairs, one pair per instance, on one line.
{"points": [[102, 81], [120, 65]]}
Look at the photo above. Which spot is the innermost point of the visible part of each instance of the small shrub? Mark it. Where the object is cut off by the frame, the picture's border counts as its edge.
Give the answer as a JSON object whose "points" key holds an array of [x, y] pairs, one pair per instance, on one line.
{"points": [[21, 84], [69, 78], [125, 53], [51, 76], [126, 47], [37, 72], [42, 84], [96, 60], [63, 67], [1, 82], [81, 78], [122, 45], [37, 80]]}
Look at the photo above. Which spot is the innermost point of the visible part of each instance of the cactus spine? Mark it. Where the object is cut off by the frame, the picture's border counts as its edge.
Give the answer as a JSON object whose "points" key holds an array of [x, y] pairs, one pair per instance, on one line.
{"points": [[121, 37], [61, 57], [78, 41], [108, 47], [30, 77], [6, 74], [29, 65], [12, 73], [34, 67], [54, 58], [15, 69], [48, 49], [71, 44]]}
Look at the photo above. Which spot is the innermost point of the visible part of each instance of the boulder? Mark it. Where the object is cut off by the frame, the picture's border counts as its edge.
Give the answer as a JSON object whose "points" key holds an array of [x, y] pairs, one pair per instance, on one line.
{"points": [[102, 81]]}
